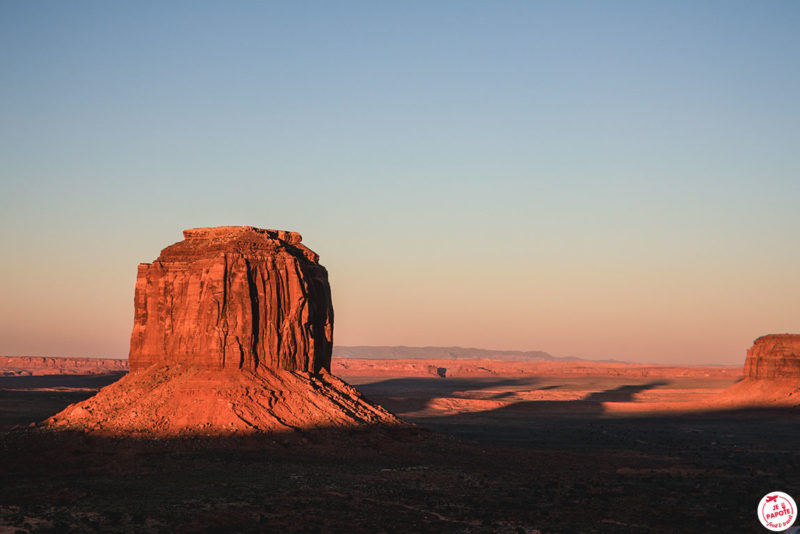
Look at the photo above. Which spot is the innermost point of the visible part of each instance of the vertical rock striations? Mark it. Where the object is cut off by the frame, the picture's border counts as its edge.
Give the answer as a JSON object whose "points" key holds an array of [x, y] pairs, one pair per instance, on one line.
{"points": [[774, 356], [233, 297]]}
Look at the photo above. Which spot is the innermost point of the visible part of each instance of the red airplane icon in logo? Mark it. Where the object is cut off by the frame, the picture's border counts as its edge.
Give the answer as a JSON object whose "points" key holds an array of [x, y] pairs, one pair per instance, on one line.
{"points": [[770, 499]]}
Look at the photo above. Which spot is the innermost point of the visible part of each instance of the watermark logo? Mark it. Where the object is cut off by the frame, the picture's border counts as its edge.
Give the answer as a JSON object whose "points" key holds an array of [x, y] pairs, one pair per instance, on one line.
{"points": [[777, 511]]}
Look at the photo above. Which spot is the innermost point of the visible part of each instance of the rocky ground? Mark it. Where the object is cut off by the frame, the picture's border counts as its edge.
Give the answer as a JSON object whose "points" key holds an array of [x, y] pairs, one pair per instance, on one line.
{"points": [[488, 454], [180, 400]]}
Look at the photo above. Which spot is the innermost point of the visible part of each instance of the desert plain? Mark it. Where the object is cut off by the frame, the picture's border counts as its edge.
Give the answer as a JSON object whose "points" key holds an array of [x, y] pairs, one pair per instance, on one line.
{"points": [[492, 446]]}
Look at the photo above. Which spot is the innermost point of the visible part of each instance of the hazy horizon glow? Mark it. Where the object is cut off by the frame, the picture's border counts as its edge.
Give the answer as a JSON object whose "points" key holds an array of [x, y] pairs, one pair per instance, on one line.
{"points": [[602, 180]]}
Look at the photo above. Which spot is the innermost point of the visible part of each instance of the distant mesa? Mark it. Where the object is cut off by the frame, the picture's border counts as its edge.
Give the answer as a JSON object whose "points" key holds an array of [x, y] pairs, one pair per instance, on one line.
{"points": [[232, 332], [771, 374], [44, 365], [440, 353], [774, 356], [451, 353]]}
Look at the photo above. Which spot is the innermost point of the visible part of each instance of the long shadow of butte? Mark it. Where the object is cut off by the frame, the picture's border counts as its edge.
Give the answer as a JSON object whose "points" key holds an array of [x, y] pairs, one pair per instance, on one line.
{"points": [[408, 395]]}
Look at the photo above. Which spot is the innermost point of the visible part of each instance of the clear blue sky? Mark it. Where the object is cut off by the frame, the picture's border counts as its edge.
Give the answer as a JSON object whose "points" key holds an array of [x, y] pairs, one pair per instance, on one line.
{"points": [[600, 179]]}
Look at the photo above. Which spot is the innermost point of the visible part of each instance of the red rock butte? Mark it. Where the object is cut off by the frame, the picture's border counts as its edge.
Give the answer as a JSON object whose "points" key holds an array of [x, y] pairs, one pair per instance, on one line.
{"points": [[233, 297], [232, 332], [771, 374], [774, 356]]}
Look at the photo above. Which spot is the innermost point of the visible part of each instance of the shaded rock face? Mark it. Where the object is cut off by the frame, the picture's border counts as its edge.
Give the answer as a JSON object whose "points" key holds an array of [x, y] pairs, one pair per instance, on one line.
{"points": [[774, 356], [234, 297]]}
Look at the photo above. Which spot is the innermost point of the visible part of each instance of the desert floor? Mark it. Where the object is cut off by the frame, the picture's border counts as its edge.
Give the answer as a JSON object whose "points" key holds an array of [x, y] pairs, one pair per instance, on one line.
{"points": [[486, 454]]}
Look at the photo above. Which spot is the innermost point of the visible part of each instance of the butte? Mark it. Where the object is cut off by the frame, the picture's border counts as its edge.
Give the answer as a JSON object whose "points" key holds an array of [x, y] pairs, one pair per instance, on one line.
{"points": [[771, 374], [232, 333]]}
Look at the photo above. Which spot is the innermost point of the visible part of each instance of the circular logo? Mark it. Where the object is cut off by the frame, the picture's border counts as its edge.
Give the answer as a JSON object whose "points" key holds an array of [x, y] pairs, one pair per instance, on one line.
{"points": [[777, 511]]}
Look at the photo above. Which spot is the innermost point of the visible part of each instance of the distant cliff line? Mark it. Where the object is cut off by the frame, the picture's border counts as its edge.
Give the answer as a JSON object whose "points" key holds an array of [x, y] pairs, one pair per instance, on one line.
{"points": [[45, 365], [385, 352]]}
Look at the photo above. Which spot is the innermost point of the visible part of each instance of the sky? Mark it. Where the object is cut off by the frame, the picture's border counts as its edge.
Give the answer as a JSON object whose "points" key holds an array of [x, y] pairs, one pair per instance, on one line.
{"points": [[593, 179]]}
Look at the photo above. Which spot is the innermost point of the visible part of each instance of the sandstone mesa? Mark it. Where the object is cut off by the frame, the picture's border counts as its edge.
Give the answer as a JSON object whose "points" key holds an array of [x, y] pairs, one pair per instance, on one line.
{"points": [[774, 356], [771, 375], [233, 330]]}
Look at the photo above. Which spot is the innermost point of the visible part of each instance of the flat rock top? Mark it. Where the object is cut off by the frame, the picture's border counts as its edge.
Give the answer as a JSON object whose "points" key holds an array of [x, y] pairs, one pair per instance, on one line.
{"points": [[776, 345], [792, 339], [233, 232], [247, 240]]}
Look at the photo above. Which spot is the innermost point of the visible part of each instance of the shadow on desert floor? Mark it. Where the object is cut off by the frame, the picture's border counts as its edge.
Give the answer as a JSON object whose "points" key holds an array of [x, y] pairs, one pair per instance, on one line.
{"points": [[494, 411], [623, 393], [25, 399], [44, 382], [417, 397], [405, 395]]}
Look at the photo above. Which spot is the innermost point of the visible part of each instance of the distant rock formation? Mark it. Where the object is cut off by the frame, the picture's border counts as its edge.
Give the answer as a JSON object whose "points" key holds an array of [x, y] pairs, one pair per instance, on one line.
{"points": [[383, 352], [441, 353], [774, 356], [232, 332], [47, 365], [771, 375], [234, 297]]}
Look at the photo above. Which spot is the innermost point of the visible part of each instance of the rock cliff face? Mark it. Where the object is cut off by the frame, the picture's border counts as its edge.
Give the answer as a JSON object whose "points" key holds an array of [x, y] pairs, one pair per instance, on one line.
{"points": [[233, 297], [774, 356]]}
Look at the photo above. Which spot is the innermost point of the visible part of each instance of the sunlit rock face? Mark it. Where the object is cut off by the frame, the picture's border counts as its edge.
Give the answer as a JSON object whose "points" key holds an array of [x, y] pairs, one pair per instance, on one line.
{"points": [[774, 356], [233, 297]]}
